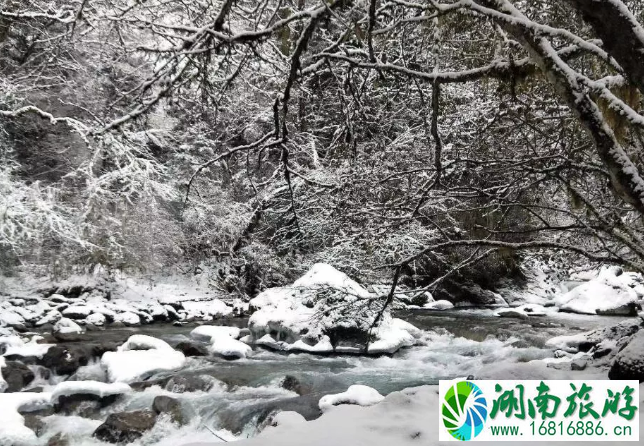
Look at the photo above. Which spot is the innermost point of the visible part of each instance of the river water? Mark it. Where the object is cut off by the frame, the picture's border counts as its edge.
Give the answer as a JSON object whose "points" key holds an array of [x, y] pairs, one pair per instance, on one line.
{"points": [[456, 343]]}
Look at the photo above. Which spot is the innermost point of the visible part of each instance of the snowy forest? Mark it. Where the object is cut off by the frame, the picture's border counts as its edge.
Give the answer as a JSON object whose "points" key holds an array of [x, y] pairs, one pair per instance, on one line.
{"points": [[283, 222]]}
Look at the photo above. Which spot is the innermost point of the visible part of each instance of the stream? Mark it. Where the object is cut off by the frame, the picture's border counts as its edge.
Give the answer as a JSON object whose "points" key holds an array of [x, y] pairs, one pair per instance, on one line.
{"points": [[456, 343]]}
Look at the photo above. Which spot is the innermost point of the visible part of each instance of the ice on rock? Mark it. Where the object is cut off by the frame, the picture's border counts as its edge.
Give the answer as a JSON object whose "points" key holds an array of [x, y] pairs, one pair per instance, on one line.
{"points": [[356, 394], [609, 293], [139, 357], [325, 311]]}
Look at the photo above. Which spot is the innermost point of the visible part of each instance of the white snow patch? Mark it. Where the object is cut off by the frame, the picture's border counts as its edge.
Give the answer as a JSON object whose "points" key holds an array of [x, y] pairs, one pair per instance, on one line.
{"points": [[356, 394], [139, 357]]}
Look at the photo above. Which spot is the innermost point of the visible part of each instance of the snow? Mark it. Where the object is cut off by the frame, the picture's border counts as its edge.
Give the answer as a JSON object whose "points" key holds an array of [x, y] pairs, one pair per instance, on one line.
{"points": [[97, 388], [16, 346], [97, 319], [139, 357], [10, 318], [128, 318], [51, 317], [439, 305], [287, 419], [606, 293], [77, 311], [229, 348], [12, 429], [356, 394], [408, 417], [67, 326], [207, 333], [223, 340], [524, 311], [206, 309]]}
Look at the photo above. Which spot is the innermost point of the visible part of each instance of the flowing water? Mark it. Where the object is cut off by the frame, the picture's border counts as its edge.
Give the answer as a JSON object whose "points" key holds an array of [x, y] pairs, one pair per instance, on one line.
{"points": [[456, 343]]}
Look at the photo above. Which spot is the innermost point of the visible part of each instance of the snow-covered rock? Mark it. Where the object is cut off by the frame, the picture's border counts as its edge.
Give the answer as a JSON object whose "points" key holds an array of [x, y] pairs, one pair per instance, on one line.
{"points": [[325, 311], [139, 357], [12, 428], [50, 317], [128, 318], [77, 311], [99, 389], [223, 340], [439, 305], [629, 362], [67, 330], [606, 294], [356, 394], [206, 333], [610, 338], [206, 310], [287, 419], [97, 319], [523, 311]]}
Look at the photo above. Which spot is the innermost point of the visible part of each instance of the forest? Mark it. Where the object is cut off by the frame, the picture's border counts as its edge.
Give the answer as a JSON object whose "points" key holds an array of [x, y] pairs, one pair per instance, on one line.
{"points": [[228, 196]]}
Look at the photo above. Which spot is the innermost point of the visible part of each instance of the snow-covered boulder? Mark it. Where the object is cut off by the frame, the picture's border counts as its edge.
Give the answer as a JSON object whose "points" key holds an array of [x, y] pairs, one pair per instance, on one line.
{"points": [[324, 311], [223, 341], [439, 305], [629, 363], [78, 312], [67, 330], [523, 312], [95, 388], [607, 294], [97, 319], [139, 357], [12, 428], [205, 310], [3, 382], [600, 341], [357, 394]]}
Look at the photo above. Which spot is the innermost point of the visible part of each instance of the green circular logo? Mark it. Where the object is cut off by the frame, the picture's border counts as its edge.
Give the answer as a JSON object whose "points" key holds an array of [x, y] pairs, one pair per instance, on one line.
{"points": [[464, 410]]}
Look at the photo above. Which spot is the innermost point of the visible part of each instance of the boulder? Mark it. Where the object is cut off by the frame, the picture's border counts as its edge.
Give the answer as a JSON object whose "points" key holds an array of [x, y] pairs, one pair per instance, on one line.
{"points": [[629, 363], [85, 405], [59, 439], [167, 405], [191, 348], [63, 360], [17, 375], [66, 330], [125, 427], [192, 383], [292, 383], [35, 423]]}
